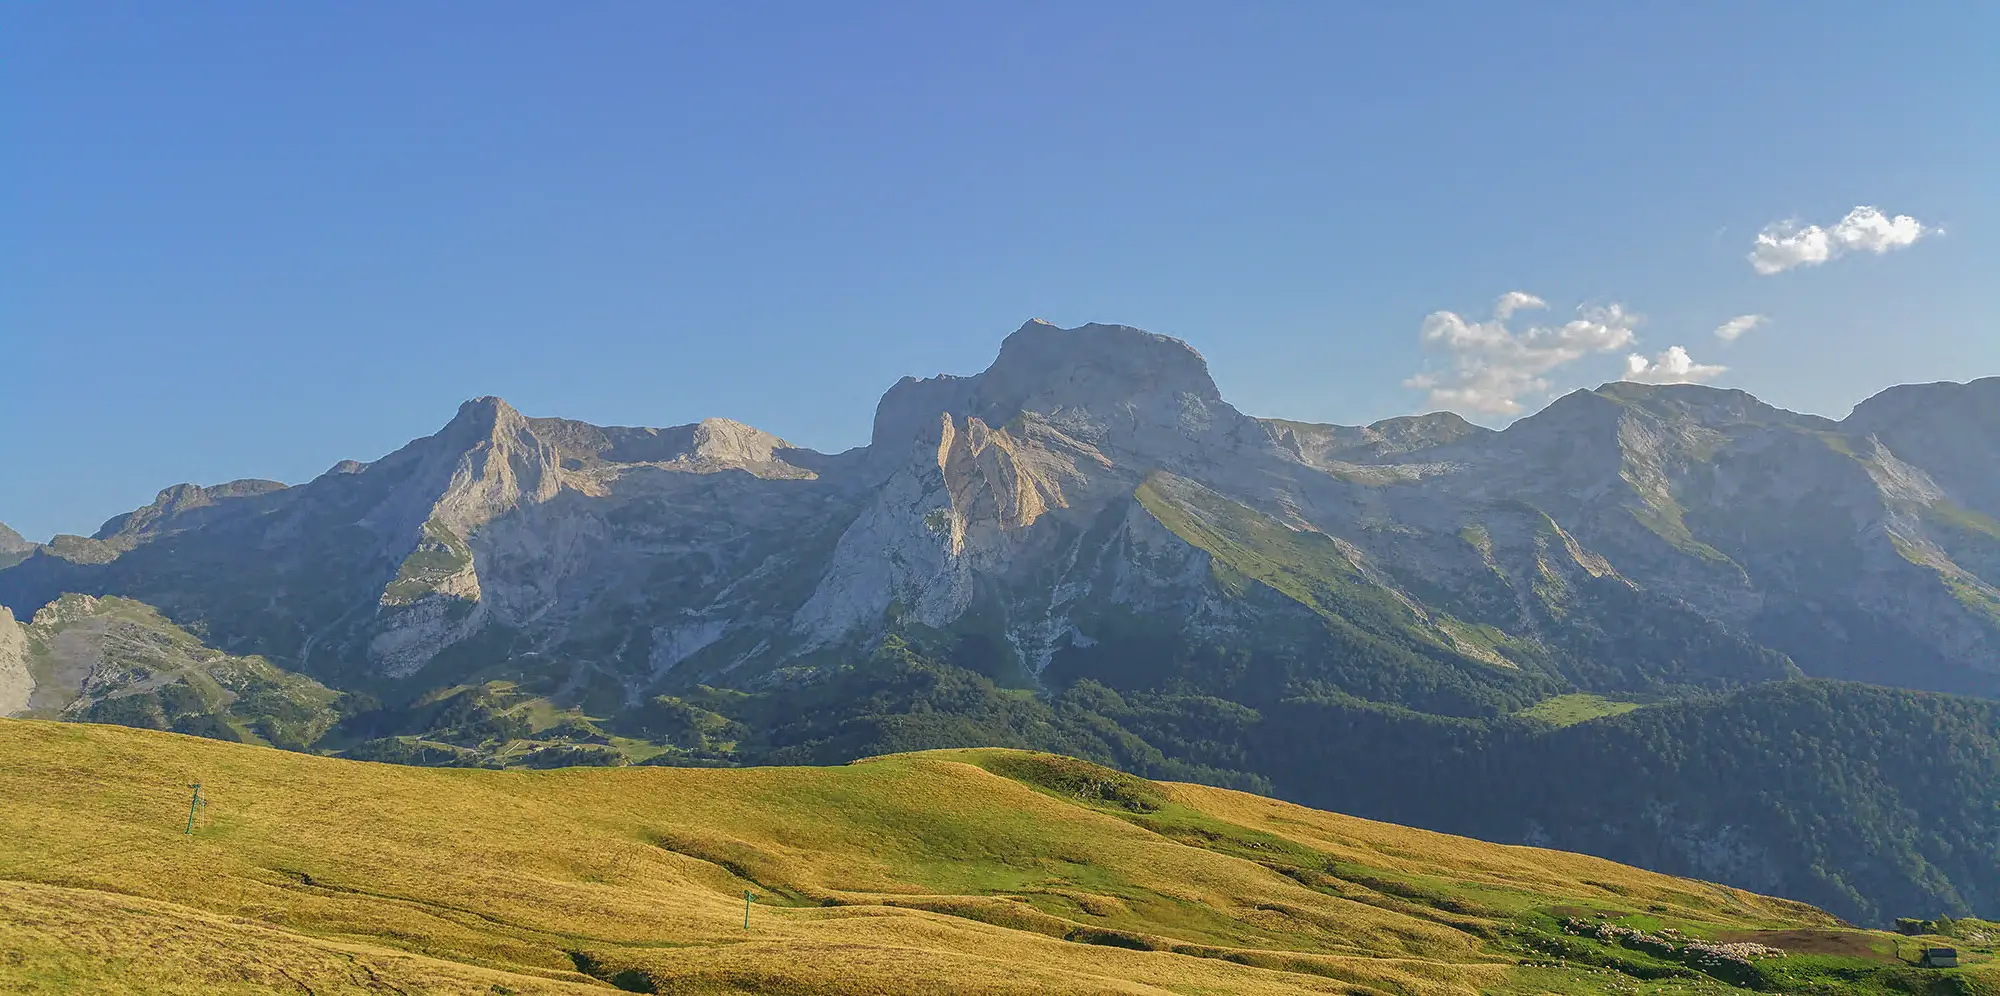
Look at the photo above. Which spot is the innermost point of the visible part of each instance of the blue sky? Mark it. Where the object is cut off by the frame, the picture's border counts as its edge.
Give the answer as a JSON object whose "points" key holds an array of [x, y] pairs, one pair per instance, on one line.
{"points": [[254, 239]]}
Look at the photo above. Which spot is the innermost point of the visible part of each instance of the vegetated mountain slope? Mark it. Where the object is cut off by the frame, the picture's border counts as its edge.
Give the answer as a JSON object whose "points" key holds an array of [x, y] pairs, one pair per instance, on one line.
{"points": [[1870, 802], [957, 872], [1865, 800], [113, 660], [1085, 548]]}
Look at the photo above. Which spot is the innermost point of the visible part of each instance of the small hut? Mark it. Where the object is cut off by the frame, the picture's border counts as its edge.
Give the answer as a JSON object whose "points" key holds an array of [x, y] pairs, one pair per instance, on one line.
{"points": [[1939, 958]]}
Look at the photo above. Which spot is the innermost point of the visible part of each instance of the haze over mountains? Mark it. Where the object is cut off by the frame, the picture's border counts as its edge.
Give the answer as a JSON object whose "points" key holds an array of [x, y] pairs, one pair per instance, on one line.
{"points": [[1086, 548]]}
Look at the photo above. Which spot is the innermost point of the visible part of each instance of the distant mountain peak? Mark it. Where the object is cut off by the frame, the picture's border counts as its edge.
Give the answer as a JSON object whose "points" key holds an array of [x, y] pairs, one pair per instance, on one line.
{"points": [[179, 500], [1044, 368], [14, 548], [1907, 401], [483, 417], [1318, 444], [1116, 361]]}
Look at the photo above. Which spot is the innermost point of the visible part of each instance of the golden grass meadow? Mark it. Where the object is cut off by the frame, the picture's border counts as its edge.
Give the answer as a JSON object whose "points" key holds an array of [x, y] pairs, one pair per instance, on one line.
{"points": [[970, 871]]}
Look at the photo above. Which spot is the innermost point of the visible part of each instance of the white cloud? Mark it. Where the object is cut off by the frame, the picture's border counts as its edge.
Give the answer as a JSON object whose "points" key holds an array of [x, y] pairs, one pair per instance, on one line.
{"points": [[1674, 366], [1733, 329], [1784, 245], [1492, 367], [1513, 301]]}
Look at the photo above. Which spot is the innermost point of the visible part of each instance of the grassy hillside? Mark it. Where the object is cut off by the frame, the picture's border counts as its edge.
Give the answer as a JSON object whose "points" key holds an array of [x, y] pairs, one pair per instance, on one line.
{"points": [[979, 871]]}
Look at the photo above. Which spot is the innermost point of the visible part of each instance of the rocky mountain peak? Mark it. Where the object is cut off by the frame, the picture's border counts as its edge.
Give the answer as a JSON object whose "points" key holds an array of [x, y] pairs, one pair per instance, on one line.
{"points": [[1976, 402], [1046, 369], [13, 542], [1711, 407], [483, 418], [1602, 421], [727, 441], [1951, 431], [179, 500], [1570, 420], [1043, 368], [69, 608], [14, 548]]}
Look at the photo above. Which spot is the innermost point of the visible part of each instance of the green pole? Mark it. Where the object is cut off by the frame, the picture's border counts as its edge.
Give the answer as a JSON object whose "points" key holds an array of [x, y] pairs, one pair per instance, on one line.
{"points": [[747, 896], [193, 804]]}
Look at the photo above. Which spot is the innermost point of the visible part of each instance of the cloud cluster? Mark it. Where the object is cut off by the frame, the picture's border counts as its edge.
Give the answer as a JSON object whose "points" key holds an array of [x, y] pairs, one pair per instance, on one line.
{"points": [[1674, 366], [1733, 329], [1493, 367], [1784, 245]]}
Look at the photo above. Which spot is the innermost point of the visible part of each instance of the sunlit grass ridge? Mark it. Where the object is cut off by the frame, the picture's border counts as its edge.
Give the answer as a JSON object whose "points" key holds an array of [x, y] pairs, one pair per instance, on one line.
{"points": [[981, 871]]}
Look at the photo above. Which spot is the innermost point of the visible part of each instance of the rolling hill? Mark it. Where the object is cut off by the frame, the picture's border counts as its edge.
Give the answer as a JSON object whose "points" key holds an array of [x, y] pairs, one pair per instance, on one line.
{"points": [[973, 871]]}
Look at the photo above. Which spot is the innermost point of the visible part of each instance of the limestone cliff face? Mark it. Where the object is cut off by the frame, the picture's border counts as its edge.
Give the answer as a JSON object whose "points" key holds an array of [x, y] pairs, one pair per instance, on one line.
{"points": [[17, 683], [486, 463], [990, 477], [1947, 430], [526, 510]]}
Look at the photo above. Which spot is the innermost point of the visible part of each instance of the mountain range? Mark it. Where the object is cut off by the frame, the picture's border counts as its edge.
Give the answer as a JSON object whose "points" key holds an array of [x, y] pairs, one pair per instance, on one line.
{"points": [[1084, 548]]}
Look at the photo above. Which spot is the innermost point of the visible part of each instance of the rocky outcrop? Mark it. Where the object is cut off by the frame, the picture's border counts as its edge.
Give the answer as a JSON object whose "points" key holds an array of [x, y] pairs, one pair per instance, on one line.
{"points": [[13, 548], [114, 660], [1326, 447], [17, 682]]}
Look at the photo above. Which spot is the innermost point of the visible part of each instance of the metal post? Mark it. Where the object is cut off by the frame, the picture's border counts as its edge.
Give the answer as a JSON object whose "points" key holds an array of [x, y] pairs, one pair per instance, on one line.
{"points": [[193, 804], [747, 896]]}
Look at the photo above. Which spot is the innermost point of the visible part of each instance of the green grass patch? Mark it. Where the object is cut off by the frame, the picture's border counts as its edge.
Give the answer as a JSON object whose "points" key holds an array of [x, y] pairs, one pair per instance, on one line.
{"points": [[1579, 707]]}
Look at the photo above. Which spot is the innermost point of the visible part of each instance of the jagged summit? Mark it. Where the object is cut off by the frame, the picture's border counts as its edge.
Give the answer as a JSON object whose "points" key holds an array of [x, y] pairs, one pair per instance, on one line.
{"points": [[179, 500], [709, 445], [1041, 366], [14, 548], [12, 542], [482, 417]]}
